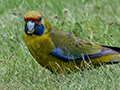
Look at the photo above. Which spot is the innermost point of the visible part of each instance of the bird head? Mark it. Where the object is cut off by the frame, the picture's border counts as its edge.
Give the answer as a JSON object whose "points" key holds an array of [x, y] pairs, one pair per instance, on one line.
{"points": [[35, 23]]}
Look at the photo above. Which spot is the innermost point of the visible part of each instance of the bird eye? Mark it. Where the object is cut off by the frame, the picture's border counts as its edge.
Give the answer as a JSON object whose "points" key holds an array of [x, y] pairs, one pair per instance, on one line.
{"points": [[39, 19]]}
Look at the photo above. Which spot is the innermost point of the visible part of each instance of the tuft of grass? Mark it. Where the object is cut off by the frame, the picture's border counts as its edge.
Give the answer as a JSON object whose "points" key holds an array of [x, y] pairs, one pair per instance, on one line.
{"points": [[94, 20]]}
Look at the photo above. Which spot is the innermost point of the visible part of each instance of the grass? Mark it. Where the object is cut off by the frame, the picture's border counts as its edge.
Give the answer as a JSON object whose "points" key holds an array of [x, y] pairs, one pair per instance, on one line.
{"points": [[93, 20]]}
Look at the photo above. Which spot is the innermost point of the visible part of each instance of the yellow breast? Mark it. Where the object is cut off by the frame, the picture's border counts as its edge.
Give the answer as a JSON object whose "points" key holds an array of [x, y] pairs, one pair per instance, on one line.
{"points": [[41, 47]]}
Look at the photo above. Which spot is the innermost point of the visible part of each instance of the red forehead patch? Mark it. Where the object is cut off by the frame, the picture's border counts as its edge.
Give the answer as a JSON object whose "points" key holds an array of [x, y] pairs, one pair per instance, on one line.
{"points": [[31, 19]]}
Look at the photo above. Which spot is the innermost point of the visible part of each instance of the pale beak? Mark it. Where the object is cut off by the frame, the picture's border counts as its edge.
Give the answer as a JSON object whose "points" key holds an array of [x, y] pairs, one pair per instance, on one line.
{"points": [[30, 26]]}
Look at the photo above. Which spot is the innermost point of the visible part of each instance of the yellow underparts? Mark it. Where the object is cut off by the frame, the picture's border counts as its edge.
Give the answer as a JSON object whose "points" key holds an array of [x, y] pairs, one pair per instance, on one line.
{"points": [[106, 58], [41, 47]]}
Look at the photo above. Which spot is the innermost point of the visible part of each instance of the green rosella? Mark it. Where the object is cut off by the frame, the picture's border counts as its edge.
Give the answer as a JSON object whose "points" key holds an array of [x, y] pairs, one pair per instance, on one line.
{"points": [[60, 51]]}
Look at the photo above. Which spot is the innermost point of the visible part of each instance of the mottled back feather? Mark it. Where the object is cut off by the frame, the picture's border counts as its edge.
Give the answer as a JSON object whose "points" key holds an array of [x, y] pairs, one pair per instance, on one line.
{"points": [[72, 45]]}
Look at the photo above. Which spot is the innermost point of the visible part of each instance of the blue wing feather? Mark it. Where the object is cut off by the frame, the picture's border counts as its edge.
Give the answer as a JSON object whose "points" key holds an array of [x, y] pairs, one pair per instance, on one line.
{"points": [[60, 54]]}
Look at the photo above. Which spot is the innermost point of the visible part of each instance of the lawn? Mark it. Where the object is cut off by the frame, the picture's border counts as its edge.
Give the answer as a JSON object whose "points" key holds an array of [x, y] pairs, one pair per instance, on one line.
{"points": [[94, 20]]}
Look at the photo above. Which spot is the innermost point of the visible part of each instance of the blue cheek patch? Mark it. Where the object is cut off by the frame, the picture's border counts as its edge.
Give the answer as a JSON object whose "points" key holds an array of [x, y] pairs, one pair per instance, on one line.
{"points": [[39, 30]]}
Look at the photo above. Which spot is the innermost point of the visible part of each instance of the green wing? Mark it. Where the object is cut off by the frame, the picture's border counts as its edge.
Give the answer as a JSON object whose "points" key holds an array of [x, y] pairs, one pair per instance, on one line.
{"points": [[69, 45]]}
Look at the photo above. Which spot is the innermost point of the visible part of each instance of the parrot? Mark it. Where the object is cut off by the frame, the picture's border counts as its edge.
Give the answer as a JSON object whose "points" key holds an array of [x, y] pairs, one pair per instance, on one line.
{"points": [[60, 51]]}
